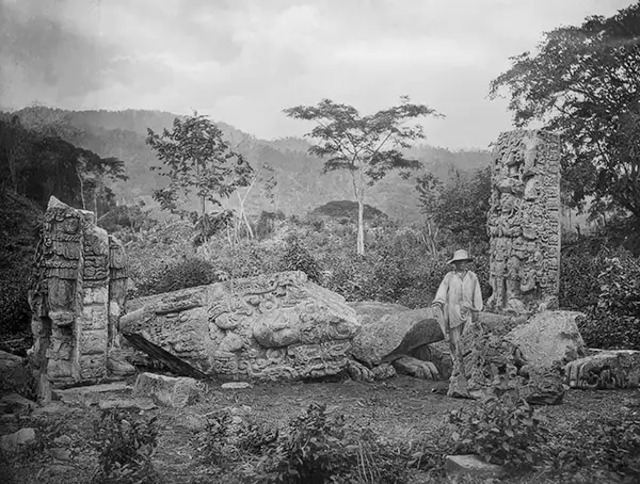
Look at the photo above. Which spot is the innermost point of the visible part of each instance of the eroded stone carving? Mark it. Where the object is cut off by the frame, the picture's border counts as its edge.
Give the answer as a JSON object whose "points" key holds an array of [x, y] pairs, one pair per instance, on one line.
{"points": [[78, 294], [523, 222], [275, 327]]}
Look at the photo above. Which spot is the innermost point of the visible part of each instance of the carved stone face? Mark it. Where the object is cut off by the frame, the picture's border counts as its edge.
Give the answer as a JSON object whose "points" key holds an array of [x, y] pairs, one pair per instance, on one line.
{"points": [[70, 225]]}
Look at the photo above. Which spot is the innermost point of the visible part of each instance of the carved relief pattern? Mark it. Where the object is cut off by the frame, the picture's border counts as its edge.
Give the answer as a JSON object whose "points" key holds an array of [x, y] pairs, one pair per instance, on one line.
{"points": [[72, 317], [523, 221], [276, 327]]}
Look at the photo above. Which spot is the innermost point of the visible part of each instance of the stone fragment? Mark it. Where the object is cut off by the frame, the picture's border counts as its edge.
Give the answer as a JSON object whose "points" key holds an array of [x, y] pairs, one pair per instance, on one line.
{"points": [[604, 369], [12, 442], [90, 394], [14, 371], [140, 403], [168, 391], [390, 329], [549, 339], [407, 365], [269, 327], [383, 371], [14, 402], [59, 453], [236, 385], [471, 466]]}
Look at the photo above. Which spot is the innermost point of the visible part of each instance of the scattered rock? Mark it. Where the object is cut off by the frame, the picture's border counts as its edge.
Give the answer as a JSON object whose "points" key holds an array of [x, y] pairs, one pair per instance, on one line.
{"points": [[11, 442], [549, 338], [14, 372], [407, 365], [140, 403], [63, 440], [236, 385], [13, 402], [59, 453], [471, 465], [88, 395], [383, 372], [176, 392]]}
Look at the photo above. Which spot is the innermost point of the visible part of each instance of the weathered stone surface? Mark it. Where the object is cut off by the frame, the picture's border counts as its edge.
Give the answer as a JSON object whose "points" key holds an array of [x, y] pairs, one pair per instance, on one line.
{"points": [[493, 365], [168, 391], [91, 394], [141, 403], [390, 329], [236, 385], [79, 292], [408, 365], [548, 339], [472, 466], [14, 402], [12, 442], [605, 369], [276, 327], [13, 372], [524, 223]]}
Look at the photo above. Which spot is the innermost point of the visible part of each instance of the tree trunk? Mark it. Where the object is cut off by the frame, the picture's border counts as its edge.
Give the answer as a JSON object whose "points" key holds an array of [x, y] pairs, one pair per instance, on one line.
{"points": [[360, 227]]}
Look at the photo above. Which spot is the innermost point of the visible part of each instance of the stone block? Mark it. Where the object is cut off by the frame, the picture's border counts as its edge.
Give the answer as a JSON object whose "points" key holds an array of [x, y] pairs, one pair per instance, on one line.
{"points": [[168, 391], [472, 466], [12, 442]]}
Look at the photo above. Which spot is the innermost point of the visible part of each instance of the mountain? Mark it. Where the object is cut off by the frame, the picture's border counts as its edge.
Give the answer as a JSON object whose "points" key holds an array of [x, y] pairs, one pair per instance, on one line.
{"points": [[301, 185]]}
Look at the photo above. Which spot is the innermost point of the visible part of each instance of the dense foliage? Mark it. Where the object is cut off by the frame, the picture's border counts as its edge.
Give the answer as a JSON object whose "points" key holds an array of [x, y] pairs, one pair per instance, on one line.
{"points": [[583, 83]]}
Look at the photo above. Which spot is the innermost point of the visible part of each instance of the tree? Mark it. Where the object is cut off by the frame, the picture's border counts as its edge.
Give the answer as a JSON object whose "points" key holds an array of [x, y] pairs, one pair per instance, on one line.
{"points": [[462, 206], [584, 83], [198, 161], [429, 189], [367, 146]]}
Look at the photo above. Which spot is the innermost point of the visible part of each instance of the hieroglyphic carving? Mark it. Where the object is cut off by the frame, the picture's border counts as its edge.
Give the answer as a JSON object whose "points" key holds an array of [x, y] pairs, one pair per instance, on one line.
{"points": [[269, 327], [74, 299], [524, 223]]}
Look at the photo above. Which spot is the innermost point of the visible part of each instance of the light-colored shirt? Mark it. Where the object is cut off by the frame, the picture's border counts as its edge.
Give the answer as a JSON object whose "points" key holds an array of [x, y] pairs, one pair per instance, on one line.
{"points": [[460, 295]]}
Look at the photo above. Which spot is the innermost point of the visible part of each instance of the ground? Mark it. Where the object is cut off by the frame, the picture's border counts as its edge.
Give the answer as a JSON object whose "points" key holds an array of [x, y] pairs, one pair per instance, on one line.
{"points": [[401, 409]]}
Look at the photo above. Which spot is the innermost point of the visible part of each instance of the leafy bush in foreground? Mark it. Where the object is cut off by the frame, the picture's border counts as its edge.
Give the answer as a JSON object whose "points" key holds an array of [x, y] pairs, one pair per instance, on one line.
{"points": [[125, 445]]}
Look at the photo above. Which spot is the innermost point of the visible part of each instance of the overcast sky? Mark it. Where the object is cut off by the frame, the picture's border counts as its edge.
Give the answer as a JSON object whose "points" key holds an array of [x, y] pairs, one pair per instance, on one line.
{"points": [[244, 61]]}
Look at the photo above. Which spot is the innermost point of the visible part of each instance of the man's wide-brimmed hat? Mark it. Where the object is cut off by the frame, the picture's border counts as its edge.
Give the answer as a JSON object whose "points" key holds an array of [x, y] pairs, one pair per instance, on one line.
{"points": [[460, 255]]}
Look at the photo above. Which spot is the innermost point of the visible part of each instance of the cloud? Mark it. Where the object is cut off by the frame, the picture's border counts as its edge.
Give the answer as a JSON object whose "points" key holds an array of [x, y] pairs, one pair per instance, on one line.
{"points": [[243, 61]]}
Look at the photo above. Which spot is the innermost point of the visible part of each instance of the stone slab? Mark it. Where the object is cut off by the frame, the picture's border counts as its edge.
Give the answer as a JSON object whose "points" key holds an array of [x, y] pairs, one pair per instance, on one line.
{"points": [[471, 465]]}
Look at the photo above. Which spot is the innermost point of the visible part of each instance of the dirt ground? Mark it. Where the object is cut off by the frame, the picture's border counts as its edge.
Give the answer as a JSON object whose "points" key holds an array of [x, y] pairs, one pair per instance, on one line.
{"points": [[401, 410]]}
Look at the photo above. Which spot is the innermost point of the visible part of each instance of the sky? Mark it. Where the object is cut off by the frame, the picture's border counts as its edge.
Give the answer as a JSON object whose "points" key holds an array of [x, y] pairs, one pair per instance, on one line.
{"points": [[244, 61]]}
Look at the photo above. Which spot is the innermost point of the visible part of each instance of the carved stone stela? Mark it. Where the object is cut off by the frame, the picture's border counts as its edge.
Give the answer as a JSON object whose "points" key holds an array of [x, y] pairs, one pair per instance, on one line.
{"points": [[76, 299], [269, 327], [524, 223]]}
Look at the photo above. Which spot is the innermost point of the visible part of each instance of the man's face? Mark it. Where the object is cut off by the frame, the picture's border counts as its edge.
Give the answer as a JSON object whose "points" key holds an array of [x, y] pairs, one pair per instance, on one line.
{"points": [[461, 265]]}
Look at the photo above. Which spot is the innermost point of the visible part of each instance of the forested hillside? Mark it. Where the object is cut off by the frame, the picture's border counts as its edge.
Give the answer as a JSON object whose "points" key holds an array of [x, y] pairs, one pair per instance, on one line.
{"points": [[300, 184]]}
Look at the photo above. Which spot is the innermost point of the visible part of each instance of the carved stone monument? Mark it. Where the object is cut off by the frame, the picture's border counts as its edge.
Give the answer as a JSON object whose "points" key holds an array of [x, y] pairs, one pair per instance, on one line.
{"points": [[76, 299], [524, 223], [269, 327]]}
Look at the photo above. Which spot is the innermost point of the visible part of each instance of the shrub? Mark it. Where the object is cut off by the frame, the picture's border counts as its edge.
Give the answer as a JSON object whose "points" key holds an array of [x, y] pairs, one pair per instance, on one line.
{"points": [[189, 272], [609, 446], [313, 452], [505, 431], [614, 320], [296, 257], [125, 446]]}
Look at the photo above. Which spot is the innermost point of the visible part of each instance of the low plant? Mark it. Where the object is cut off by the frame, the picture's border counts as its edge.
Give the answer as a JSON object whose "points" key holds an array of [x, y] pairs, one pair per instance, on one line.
{"points": [[125, 446], [313, 451], [505, 431]]}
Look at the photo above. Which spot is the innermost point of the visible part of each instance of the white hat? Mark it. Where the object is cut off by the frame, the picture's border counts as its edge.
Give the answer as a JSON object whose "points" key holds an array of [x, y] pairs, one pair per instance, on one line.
{"points": [[460, 255]]}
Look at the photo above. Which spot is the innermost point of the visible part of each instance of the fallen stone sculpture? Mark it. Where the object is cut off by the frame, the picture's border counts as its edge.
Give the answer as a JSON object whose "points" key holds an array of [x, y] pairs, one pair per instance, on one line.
{"points": [[605, 370], [275, 327]]}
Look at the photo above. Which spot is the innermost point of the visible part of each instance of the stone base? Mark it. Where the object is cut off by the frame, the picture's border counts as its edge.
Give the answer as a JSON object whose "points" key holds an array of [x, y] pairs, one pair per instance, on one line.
{"points": [[168, 391]]}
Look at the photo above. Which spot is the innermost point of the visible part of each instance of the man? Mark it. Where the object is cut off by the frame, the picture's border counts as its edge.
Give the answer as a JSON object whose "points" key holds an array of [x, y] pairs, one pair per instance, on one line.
{"points": [[457, 304]]}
